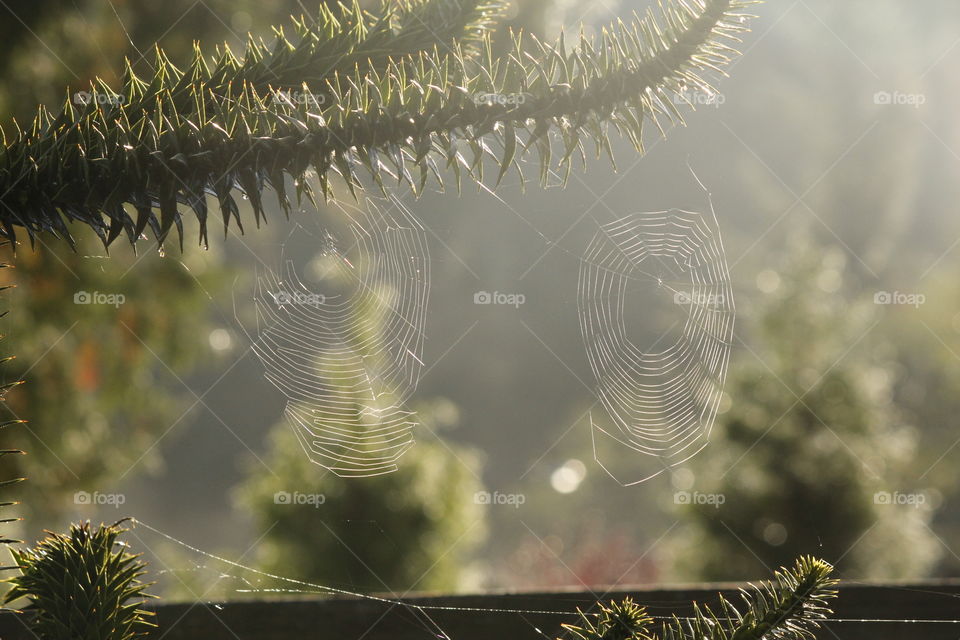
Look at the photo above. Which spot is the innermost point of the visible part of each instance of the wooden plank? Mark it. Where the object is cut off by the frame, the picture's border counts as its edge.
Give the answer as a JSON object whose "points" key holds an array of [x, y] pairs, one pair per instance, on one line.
{"points": [[360, 619]]}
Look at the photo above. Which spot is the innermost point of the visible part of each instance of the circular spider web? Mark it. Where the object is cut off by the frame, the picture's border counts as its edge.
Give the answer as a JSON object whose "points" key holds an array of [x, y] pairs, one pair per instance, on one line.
{"points": [[662, 401], [347, 358]]}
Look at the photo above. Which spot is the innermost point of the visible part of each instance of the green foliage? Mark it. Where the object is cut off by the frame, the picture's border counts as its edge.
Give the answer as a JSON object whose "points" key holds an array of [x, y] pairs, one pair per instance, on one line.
{"points": [[415, 527], [173, 137], [624, 620], [8, 451], [93, 37], [84, 585], [100, 391], [810, 440], [790, 607]]}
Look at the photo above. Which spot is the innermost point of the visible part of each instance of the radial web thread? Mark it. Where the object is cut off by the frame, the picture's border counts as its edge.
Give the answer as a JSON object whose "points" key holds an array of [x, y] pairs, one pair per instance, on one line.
{"points": [[661, 402], [348, 358]]}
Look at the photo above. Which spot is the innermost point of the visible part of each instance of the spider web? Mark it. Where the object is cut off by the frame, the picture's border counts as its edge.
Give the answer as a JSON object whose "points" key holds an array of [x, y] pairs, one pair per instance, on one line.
{"points": [[347, 358], [662, 402]]}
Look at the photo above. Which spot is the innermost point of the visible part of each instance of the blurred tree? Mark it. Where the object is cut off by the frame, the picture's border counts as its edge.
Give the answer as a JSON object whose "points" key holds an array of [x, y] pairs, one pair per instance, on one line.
{"points": [[414, 528], [927, 350], [812, 452], [899, 177], [105, 366], [96, 347], [51, 44]]}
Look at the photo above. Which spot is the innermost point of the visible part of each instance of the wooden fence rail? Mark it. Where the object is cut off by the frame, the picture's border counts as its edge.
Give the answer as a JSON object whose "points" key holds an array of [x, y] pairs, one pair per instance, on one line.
{"points": [[362, 619]]}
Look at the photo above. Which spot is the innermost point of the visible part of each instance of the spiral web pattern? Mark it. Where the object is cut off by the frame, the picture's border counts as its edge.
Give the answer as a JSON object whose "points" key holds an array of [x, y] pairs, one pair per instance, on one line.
{"points": [[662, 403], [348, 358]]}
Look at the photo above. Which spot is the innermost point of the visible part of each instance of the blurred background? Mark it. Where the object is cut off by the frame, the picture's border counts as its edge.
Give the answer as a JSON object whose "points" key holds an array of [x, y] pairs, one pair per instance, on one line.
{"points": [[831, 155]]}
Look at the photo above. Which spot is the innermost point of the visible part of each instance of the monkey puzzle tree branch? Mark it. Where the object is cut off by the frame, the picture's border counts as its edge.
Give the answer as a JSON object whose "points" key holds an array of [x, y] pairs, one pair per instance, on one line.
{"points": [[792, 606], [119, 160]]}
